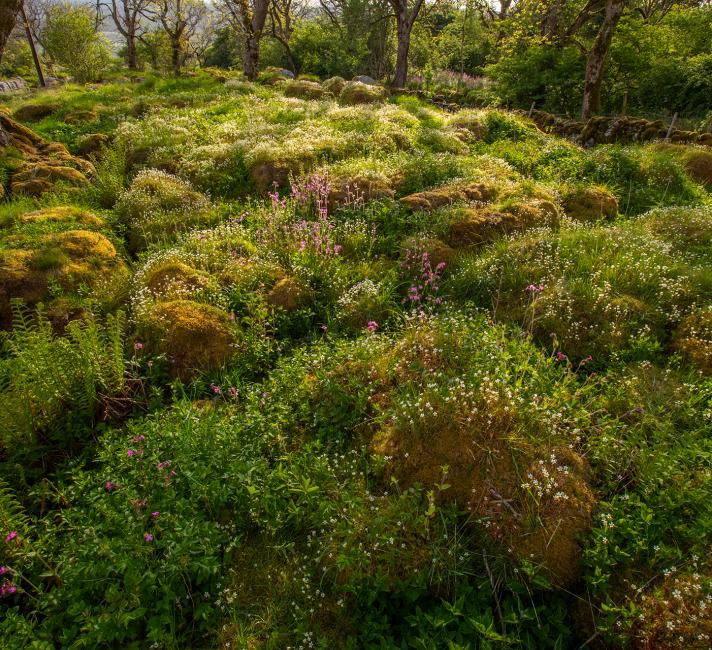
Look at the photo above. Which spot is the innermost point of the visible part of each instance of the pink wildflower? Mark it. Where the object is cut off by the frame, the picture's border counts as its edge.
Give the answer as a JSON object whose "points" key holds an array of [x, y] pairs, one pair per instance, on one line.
{"points": [[10, 536], [148, 537]]}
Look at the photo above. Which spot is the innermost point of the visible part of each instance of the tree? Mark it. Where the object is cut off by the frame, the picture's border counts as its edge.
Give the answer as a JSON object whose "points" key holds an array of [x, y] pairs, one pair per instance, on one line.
{"points": [[406, 13], [127, 15], [70, 38], [597, 57], [8, 16], [282, 14], [248, 18], [179, 20]]}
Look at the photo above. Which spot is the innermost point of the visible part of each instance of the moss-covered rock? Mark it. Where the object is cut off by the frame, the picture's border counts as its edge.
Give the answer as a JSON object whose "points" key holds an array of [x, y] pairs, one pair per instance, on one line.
{"points": [[334, 85], [80, 116], [449, 194], [92, 143], [34, 112], [288, 294], [62, 214], [41, 164], [303, 89], [355, 92], [698, 164], [590, 204], [70, 260], [158, 206], [194, 337]]}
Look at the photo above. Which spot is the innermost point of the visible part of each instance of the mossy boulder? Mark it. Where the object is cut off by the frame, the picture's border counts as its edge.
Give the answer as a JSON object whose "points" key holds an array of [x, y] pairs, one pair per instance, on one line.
{"points": [[476, 226], [69, 260], [62, 214], [41, 164], [288, 294], [449, 194], [355, 92], [357, 189], [698, 165], [92, 144], [35, 112], [173, 278], [334, 85], [80, 116], [433, 250], [158, 206], [194, 337], [590, 204], [469, 125], [303, 89], [534, 495]]}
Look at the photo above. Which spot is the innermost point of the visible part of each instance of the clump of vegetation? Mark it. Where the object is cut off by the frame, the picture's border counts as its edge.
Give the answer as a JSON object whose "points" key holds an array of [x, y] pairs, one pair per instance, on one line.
{"points": [[356, 92], [590, 204], [157, 206], [348, 375]]}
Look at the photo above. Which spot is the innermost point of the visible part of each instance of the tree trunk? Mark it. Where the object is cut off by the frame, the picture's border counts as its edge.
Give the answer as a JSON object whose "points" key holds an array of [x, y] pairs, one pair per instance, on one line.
{"points": [[8, 15], [252, 57], [404, 26], [176, 57], [597, 58], [131, 57]]}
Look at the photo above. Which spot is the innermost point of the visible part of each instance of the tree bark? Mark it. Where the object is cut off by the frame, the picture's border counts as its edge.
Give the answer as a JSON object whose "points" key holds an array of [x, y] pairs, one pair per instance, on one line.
{"points": [[405, 17], [8, 15], [176, 52], [597, 58], [252, 57], [131, 56], [400, 74]]}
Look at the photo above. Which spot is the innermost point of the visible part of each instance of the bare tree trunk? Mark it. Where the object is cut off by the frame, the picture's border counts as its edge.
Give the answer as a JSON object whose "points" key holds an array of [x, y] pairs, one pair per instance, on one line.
{"points": [[252, 57], [597, 58], [131, 56], [8, 15], [33, 49], [176, 57], [400, 74], [405, 17]]}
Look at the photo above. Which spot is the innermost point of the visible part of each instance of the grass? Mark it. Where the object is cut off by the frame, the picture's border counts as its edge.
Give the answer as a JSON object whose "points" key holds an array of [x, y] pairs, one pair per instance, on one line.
{"points": [[308, 366]]}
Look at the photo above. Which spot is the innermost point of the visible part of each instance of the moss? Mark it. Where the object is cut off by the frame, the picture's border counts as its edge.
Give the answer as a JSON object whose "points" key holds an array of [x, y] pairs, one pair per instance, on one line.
{"points": [[693, 340], [92, 143], [474, 227], [698, 165], [62, 214], [357, 189], [303, 89], [469, 124], [334, 85], [437, 250], [288, 294], [34, 112], [157, 206], [449, 194], [674, 612], [173, 277], [590, 204], [494, 470], [80, 116], [355, 92], [70, 259], [193, 336]]}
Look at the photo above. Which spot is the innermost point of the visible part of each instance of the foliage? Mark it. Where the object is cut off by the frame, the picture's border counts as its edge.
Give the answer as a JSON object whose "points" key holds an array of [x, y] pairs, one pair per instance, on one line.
{"points": [[71, 39]]}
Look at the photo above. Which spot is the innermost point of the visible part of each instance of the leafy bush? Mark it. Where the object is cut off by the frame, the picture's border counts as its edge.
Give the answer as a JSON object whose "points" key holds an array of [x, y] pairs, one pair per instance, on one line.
{"points": [[70, 38]]}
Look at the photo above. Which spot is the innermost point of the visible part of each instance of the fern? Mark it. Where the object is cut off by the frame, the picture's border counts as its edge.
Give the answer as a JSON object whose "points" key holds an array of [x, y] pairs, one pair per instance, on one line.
{"points": [[47, 380], [12, 513]]}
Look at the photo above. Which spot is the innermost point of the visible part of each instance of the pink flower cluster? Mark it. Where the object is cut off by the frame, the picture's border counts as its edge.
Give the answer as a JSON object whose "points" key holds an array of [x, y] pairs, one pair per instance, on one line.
{"points": [[7, 588], [425, 287]]}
